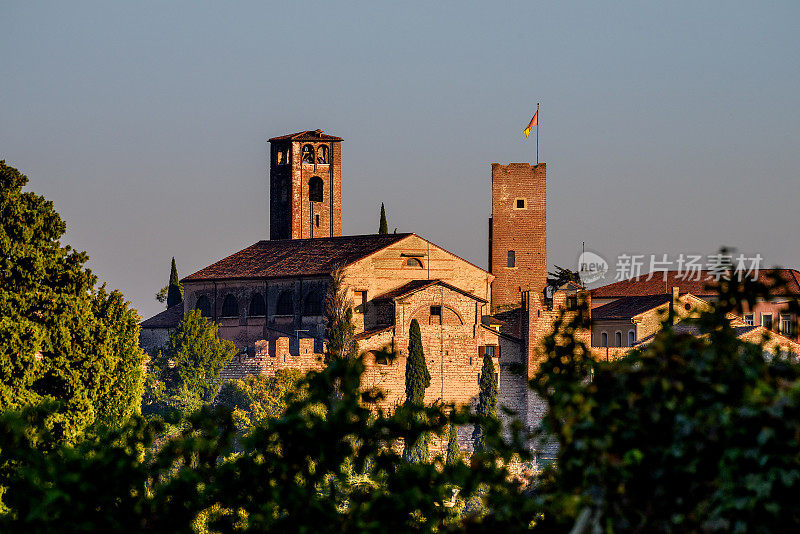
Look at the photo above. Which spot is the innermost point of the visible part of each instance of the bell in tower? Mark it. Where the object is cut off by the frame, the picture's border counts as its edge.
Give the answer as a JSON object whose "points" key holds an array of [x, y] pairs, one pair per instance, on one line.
{"points": [[305, 186]]}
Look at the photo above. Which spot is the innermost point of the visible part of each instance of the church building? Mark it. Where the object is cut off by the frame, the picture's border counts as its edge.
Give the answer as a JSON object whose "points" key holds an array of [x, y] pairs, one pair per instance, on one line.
{"points": [[269, 298]]}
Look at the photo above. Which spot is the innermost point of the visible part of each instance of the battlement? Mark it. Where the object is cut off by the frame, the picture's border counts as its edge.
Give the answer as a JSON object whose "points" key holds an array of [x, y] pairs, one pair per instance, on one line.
{"points": [[271, 355]]}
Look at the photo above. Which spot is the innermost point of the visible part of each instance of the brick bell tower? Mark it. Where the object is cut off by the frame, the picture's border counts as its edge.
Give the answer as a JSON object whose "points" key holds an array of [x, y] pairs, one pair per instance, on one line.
{"points": [[517, 232], [305, 186]]}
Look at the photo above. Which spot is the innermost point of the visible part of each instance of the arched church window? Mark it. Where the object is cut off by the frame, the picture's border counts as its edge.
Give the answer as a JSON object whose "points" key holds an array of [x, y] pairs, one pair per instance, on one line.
{"points": [[322, 154], [313, 303], [308, 154], [285, 305], [230, 308], [618, 339], [315, 189], [414, 262], [603, 339], [631, 338], [257, 307], [204, 306]]}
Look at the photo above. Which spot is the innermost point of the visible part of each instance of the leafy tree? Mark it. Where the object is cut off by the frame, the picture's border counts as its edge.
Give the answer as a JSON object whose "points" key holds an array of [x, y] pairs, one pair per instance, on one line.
{"points": [[339, 330], [198, 356], [63, 343], [487, 402], [689, 434], [383, 227], [172, 293], [561, 276], [418, 379]]}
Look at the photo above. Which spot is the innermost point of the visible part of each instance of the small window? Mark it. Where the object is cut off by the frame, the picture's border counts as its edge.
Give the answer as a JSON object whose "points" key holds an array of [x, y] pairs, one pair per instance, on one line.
{"points": [[436, 310], [316, 220], [285, 305], [381, 359], [748, 319], [492, 351], [520, 204], [413, 262], [618, 339], [787, 326], [257, 307], [313, 304], [322, 154], [631, 338], [687, 306], [766, 320], [315, 189], [512, 260], [204, 306], [360, 301], [308, 154], [603, 339]]}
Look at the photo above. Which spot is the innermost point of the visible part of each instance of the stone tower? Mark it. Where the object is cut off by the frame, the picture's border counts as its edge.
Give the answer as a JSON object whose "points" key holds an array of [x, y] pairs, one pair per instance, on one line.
{"points": [[517, 232], [305, 186]]}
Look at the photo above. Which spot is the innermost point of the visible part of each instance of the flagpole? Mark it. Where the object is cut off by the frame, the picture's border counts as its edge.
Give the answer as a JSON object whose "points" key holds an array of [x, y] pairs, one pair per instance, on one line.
{"points": [[537, 133]]}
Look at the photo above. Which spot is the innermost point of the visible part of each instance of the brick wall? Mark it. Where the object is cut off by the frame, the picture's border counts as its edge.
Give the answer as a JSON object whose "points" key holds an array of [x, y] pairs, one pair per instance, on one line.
{"points": [[522, 230], [292, 214]]}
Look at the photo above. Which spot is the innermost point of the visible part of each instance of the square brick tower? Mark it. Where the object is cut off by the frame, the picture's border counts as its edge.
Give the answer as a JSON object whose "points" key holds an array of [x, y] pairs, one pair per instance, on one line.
{"points": [[305, 186], [517, 232]]}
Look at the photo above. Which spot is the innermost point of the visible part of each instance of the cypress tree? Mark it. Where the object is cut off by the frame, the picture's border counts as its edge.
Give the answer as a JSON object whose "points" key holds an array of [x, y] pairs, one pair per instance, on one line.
{"points": [[417, 381], [487, 401], [453, 450], [174, 293], [384, 227]]}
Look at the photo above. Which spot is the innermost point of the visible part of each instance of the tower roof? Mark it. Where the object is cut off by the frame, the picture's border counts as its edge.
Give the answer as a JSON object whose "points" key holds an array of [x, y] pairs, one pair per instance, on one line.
{"points": [[307, 135]]}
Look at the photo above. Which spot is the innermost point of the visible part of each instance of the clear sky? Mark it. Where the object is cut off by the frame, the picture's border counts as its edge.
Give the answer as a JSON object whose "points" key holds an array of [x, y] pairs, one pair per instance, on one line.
{"points": [[667, 127]]}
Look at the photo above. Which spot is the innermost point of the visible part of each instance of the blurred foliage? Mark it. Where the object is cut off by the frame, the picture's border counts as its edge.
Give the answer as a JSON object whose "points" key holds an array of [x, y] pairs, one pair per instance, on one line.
{"points": [[326, 465], [63, 342], [688, 434], [256, 398]]}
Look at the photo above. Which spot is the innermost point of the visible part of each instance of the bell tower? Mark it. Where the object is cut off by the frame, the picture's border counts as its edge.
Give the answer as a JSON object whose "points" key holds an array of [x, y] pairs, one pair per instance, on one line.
{"points": [[305, 186]]}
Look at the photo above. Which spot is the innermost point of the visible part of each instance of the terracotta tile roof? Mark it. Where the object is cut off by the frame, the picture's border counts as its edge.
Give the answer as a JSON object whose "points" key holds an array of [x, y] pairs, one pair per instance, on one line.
{"points": [[168, 318], [307, 135], [418, 285], [657, 285], [286, 258], [627, 307]]}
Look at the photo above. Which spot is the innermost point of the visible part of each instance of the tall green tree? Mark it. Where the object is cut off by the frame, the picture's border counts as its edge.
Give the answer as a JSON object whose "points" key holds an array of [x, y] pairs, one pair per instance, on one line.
{"points": [[418, 379], [339, 328], [174, 291], [63, 343], [383, 227], [453, 449], [487, 402], [198, 356]]}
